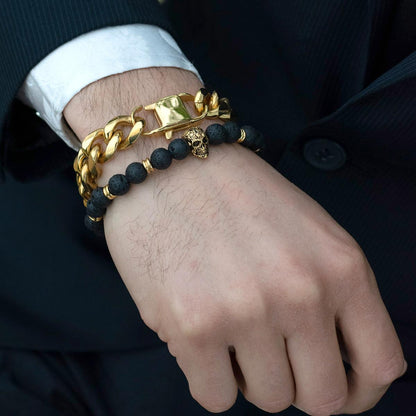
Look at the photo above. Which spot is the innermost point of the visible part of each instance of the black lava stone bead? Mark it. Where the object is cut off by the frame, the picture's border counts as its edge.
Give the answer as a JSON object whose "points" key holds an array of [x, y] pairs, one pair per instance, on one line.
{"points": [[99, 199], [233, 130], [136, 172], [118, 184], [254, 139], [96, 227], [94, 211], [161, 158], [179, 149], [216, 133]]}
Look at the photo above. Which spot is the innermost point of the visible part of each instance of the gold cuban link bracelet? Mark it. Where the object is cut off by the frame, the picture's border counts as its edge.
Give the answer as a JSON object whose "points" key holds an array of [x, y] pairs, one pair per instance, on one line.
{"points": [[171, 114]]}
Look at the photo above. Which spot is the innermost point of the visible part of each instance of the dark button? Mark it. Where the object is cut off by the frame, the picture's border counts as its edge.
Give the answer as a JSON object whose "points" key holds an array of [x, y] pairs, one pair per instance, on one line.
{"points": [[324, 154]]}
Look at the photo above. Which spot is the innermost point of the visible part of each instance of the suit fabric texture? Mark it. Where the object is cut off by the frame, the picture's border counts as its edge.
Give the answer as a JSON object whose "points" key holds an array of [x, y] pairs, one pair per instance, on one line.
{"points": [[331, 83]]}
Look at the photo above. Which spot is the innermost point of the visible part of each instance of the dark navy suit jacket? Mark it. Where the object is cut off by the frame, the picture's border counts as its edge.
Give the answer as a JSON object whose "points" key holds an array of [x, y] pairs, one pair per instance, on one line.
{"points": [[332, 83]]}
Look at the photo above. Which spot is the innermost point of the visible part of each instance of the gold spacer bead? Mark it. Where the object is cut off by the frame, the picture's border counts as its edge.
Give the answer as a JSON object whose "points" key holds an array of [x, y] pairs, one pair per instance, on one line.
{"points": [[242, 137], [95, 219], [108, 194], [148, 166]]}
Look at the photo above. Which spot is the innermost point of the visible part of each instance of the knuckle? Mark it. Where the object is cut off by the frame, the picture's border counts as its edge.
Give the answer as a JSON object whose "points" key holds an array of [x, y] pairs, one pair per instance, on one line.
{"points": [[216, 403], [275, 406], [326, 408], [349, 261], [390, 370], [304, 292], [173, 349], [358, 408], [246, 309], [150, 318], [272, 402], [162, 336], [197, 327]]}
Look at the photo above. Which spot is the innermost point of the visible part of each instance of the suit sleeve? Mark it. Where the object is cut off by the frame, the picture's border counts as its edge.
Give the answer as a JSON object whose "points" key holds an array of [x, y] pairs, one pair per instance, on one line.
{"points": [[30, 30], [90, 57]]}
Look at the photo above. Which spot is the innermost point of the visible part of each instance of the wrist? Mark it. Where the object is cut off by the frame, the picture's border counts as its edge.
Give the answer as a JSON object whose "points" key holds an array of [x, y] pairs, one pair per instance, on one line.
{"points": [[144, 147], [93, 108], [112, 96], [118, 94], [101, 101]]}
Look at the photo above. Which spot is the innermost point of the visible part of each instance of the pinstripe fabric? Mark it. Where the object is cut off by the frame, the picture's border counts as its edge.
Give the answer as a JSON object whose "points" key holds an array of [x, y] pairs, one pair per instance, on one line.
{"points": [[29, 30], [343, 48], [32, 29]]}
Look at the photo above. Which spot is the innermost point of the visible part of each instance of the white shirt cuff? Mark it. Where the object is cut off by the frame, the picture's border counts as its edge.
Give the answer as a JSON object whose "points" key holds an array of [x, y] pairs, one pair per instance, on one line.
{"points": [[112, 50]]}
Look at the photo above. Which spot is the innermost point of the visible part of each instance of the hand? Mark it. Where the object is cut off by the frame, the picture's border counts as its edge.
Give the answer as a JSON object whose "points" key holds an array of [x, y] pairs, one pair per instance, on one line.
{"points": [[227, 255]]}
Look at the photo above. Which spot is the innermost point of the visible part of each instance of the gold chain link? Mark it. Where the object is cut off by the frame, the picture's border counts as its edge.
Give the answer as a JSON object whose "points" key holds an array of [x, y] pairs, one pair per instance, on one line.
{"points": [[101, 145]]}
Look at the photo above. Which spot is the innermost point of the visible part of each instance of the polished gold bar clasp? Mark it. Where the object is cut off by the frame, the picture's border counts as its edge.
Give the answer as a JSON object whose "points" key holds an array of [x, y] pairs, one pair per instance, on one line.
{"points": [[172, 114]]}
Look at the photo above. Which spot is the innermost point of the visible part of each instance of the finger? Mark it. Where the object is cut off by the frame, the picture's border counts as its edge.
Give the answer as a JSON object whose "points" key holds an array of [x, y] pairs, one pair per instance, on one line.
{"points": [[320, 379], [268, 380], [373, 350], [210, 376]]}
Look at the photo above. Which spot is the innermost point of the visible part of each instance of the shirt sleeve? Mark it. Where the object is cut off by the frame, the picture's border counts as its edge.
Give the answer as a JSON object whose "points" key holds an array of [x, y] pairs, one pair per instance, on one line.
{"points": [[52, 83]]}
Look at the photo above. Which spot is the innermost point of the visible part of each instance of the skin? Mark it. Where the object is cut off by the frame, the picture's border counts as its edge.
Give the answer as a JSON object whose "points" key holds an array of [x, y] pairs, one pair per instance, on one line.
{"points": [[249, 281]]}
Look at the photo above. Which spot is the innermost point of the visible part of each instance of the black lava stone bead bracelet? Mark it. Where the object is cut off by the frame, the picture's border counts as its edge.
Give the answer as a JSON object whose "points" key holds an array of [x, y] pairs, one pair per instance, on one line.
{"points": [[160, 159], [231, 132]]}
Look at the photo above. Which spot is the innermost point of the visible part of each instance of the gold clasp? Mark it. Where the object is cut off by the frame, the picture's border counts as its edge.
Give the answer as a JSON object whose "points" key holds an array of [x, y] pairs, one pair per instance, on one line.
{"points": [[172, 114]]}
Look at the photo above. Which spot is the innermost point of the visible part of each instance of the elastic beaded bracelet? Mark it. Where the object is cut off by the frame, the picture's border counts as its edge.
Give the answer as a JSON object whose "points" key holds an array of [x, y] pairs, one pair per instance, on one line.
{"points": [[230, 132], [136, 173], [194, 141]]}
